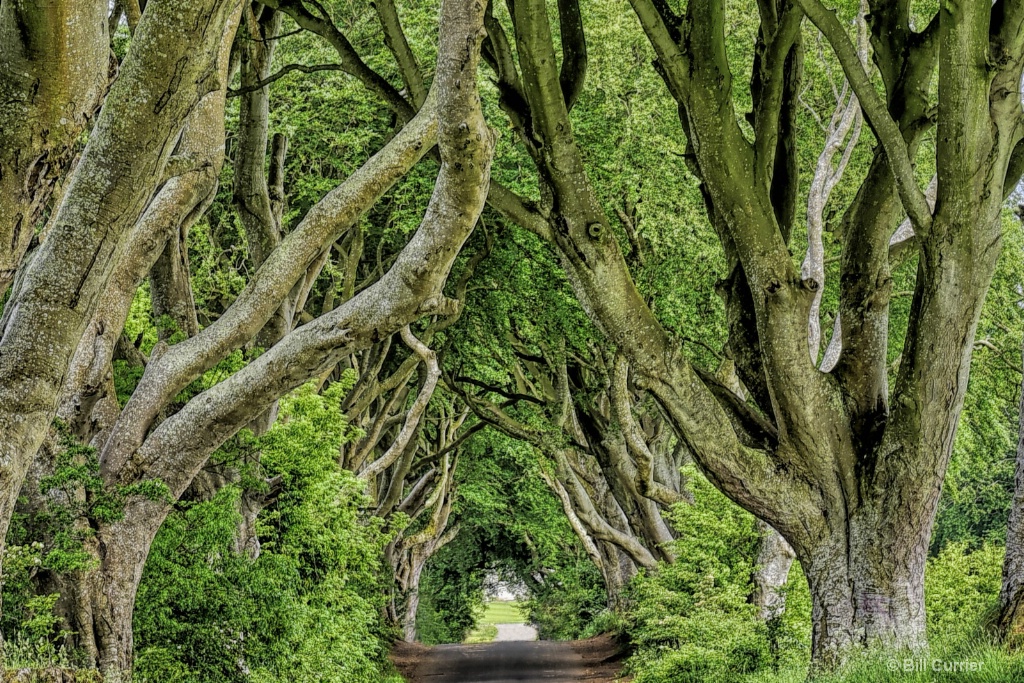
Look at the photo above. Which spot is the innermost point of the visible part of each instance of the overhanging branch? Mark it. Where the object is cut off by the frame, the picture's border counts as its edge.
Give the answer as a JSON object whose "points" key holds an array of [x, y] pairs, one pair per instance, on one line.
{"points": [[284, 71], [875, 111]]}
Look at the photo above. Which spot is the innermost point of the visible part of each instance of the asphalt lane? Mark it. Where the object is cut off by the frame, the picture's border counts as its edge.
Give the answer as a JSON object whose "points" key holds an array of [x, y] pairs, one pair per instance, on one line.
{"points": [[501, 662]]}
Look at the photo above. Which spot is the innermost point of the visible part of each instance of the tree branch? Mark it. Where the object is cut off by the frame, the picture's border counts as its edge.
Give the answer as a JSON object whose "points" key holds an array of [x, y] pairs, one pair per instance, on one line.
{"points": [[875, 111], [574, 51], [281, 73], [412, 418], [394, 38]]}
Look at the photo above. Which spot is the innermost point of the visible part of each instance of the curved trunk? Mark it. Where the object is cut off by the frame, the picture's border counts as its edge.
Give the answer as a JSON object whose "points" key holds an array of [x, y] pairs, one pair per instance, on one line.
{"points": [[1011, 598], [71, 268], [46, 102]]}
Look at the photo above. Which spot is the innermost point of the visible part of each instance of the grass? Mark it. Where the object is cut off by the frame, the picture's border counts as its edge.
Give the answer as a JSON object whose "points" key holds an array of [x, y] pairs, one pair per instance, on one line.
{"points": [[495, 613], [502, 613], [987, 662], [483, 633]]}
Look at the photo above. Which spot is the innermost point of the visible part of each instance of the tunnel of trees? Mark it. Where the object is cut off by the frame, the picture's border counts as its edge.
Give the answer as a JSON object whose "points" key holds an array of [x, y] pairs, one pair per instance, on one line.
{"points": [[700, 319]]}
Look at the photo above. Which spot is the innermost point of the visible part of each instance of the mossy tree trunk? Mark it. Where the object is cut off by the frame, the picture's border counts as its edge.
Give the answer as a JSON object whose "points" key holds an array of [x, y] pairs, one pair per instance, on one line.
{"points": [[1010, 621], [53, 75], [127, 159], [846, 469], [168, 70]]}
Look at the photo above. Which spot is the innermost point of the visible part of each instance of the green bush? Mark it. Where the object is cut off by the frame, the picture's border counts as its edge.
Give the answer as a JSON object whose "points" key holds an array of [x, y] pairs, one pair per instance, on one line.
{"points": [[692, 620], [962, 591], [309, 608], [571, 603]]}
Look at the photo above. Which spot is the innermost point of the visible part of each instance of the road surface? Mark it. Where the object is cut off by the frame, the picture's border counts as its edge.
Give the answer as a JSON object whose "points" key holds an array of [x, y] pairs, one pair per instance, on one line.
{"points": [[507, 662], [507, 632]]}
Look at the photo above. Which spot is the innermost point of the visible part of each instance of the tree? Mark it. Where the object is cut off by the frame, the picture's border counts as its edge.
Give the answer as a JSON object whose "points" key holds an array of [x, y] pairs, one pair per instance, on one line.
{"points": [[846, 469], [1010, 621], [150, 453], [47, 103], [169, 68]]}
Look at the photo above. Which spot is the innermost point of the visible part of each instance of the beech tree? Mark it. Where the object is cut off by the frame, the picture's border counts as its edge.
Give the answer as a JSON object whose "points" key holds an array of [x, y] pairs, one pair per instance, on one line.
{"points": [[808, 394], [613, 473], [846, 468], [168, 70], [148, 455], [1010, 621], [408, 454], [48, 101]]}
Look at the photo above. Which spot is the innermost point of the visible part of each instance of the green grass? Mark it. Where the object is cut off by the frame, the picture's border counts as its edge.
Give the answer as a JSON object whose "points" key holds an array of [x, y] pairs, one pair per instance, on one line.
{"points": [[502, 613], [484, 633], [495, 613], [991, 664]]}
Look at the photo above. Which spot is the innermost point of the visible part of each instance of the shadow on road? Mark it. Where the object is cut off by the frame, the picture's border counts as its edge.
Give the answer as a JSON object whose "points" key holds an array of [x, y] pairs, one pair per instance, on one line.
{"points": [[596, 660]]}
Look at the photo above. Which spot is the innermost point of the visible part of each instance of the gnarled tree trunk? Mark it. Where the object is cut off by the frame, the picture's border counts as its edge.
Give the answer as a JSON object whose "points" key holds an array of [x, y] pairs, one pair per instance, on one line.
{"points": [[1011, 598], [846, 470], [168, 70], [53, 75], [178, 447]]}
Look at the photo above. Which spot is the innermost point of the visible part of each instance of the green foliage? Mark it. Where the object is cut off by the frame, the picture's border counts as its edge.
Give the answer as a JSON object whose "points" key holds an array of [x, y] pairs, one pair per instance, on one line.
{"points": [[512, 528], [21, 564], [962, 591], [78, 500], [980, 662], [34, 636], [452, 590], [308, 608], [571, 601], [691, 620]]}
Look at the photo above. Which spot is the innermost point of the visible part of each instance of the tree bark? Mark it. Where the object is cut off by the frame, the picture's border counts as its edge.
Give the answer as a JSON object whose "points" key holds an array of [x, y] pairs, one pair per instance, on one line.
{"points": [[169, 68], [774, 559], [1010, 621], [848, 472], [53, 75], [178, 448]]}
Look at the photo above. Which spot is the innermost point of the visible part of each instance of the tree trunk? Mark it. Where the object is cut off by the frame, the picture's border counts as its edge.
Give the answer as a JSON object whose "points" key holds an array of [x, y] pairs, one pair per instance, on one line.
{"points": [[178, 448], [99, 603], [618, 569], [774, 559], [122, 164], [46, 102], [866, 578], [170, 288], [1011, 598], [412, 603], [123, 551]]}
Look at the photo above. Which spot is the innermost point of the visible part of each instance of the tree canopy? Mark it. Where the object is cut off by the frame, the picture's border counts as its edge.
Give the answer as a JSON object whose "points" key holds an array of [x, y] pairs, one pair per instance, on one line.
{"points": [[700, 321]]}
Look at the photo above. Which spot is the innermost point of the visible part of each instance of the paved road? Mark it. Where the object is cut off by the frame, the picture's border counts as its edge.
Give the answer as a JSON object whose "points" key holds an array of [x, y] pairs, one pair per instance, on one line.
{"points": [[507, 632], [502, 662]]}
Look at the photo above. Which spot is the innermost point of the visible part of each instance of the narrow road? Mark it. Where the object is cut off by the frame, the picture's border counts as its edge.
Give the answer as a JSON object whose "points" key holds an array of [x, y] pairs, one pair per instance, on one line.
{"points": [[507, 662], [507, 632]]}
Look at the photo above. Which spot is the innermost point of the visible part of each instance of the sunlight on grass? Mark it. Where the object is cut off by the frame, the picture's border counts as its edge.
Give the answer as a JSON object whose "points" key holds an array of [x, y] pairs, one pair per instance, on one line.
{"points": [[495, 613]]}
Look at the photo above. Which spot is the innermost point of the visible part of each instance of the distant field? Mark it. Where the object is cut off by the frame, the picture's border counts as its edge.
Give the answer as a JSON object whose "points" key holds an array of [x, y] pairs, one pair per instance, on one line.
{"points": [[502, 613], [495, 613]]}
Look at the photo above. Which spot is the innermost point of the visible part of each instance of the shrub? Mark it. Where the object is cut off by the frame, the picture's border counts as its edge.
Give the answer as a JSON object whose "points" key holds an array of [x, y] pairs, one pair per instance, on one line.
{"points": [[309, 608]]}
